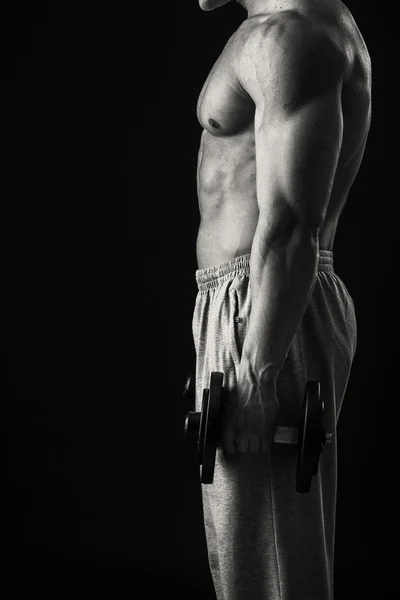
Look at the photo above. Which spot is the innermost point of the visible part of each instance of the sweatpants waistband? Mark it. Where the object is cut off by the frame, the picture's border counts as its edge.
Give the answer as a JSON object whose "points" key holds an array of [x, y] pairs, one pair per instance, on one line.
{"points": [[240, 265]]}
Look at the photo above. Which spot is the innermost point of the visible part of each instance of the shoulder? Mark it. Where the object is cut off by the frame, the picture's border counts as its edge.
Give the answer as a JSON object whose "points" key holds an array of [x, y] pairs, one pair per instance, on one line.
{"points": [[290, 33], [291, 47]]}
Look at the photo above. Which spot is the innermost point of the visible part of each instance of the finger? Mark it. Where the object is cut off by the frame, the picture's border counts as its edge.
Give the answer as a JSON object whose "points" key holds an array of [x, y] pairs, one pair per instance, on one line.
{"points": [[254, 443], [265, 444], [228, 441], [242, 443]]}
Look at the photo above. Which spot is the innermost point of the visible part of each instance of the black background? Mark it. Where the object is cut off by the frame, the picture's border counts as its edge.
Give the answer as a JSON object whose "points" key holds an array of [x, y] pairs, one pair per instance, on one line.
{"points": [[98, 226]]}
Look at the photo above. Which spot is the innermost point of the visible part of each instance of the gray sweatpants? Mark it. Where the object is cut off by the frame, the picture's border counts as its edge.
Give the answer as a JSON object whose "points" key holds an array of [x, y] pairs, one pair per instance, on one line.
{"points": [[265, 541]]}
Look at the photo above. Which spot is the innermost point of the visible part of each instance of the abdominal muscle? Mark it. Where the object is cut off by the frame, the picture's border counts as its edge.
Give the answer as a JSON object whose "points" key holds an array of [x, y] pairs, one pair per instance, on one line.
{"points": [[227, 233], [226, 186], [227, 230]]}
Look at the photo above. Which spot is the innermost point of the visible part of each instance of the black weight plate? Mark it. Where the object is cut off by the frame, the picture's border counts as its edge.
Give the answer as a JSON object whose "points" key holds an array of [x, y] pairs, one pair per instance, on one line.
{"points": [[189, 390], [314, 429], [203, 424], [212, 428], [192, 426], [309, 437], [319, 434], [192, 419], [303, 479]]}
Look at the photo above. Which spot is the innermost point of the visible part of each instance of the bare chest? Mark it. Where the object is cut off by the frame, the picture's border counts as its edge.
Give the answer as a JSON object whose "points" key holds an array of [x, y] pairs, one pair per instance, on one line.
{"points": [[223, 108]]}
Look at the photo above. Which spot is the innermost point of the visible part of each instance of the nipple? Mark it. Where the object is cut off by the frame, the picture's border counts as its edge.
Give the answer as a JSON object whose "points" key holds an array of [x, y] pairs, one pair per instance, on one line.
{"points": [[214, 124]]}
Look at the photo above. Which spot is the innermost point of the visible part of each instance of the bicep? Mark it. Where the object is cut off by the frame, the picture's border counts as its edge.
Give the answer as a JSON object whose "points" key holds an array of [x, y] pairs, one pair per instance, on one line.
{"points": [[296, 158], [294, 75]]}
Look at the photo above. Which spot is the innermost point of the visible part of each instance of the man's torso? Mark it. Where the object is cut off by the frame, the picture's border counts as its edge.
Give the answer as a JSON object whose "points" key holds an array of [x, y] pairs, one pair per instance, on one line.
{"points": [[226, 176]]}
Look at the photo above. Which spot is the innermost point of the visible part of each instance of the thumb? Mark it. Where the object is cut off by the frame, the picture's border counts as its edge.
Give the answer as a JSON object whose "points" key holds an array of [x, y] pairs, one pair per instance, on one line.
{"points": [[228, 423], [228, 435]]}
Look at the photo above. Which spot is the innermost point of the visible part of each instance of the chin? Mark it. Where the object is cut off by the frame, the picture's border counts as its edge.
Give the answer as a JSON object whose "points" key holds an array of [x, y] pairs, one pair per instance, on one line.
{"points": [[211, 4]]}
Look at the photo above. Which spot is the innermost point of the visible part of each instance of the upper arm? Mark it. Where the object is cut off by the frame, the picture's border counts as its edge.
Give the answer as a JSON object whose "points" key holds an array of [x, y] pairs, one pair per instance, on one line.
{"points": [[294, 76]]}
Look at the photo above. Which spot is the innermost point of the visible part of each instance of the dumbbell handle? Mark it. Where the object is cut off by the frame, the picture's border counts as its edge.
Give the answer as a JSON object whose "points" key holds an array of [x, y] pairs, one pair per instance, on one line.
{"points": [[283, 435], [286, 435], [290, 435]]}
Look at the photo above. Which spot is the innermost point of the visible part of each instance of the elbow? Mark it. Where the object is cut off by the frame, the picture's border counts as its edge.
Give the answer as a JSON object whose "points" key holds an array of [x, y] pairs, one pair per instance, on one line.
{"points": [[292, 231], [309, 232]]}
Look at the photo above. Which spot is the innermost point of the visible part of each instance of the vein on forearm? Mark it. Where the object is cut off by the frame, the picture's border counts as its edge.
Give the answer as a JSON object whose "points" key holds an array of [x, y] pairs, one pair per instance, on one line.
{"points": [[283, 272]]}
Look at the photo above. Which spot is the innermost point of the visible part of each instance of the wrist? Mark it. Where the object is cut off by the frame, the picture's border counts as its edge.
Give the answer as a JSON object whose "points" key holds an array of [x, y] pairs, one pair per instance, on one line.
{"points": [[265, 374]]}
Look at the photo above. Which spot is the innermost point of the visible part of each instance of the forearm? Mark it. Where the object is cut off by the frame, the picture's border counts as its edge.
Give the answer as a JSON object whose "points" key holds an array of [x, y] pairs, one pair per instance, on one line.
{"points": [[282, 277]]}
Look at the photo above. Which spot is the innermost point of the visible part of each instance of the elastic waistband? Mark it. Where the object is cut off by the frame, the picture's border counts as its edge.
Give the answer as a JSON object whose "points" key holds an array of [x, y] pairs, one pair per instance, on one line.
{"points": [[240, 265]]}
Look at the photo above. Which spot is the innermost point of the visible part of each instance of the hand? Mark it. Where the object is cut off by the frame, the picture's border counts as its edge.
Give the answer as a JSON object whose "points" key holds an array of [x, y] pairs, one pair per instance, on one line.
{"points": [[250, 414]]}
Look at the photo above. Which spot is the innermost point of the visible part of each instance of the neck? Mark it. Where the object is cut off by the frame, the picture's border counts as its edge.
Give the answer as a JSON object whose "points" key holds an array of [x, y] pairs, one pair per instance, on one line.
{"points": [[256, 7]]}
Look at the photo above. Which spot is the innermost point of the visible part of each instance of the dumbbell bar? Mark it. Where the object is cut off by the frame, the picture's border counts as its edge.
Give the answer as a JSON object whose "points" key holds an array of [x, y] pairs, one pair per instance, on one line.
{"points": [[205, 428]]}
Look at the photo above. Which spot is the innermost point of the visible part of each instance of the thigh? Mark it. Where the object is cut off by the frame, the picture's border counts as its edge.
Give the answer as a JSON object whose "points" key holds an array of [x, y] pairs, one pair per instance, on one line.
{"points": [[264, 538], [215, 321]]}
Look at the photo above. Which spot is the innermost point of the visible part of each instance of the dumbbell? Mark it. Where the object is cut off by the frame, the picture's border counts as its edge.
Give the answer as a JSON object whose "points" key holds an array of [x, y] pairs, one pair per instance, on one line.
{"points": [[204, 428]]}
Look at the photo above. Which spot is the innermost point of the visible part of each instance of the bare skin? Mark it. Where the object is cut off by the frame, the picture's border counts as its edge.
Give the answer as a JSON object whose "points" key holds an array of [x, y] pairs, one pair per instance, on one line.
{"points": [[286, 112]]}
